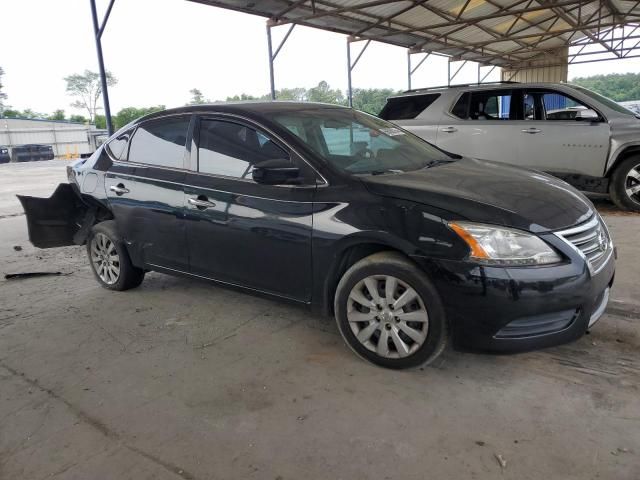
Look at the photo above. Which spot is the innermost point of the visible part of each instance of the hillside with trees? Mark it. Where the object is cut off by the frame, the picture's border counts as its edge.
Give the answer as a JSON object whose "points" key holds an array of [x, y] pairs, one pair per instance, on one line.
{"points": [[617, 86]]}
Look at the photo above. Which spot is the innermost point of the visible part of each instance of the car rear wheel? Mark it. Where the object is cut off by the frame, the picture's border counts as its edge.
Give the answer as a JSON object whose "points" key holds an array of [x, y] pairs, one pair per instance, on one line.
{"points": [[389, 313], [625, 184], [110, 260]]}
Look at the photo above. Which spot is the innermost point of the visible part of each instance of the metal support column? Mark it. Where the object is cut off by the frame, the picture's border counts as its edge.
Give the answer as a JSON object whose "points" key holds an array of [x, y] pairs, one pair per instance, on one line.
{"points": [[98, 30], [451, 78], [411, 70], [272, 55], [351, 66], [484, 77]]}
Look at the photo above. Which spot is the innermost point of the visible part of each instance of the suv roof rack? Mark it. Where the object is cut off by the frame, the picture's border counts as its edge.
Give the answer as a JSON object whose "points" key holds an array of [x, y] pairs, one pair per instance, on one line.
{"points": [[458, 85]]}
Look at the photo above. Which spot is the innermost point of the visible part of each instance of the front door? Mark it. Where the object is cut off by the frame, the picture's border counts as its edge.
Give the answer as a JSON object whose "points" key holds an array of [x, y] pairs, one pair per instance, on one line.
{"points": [[241, 232], [561, 135], [146, 193]]}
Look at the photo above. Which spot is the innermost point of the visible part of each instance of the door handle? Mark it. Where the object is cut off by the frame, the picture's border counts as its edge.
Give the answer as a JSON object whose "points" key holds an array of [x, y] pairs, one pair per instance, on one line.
{"points": [[531, 130], [449, 129], [119, 189], [201, 203]]}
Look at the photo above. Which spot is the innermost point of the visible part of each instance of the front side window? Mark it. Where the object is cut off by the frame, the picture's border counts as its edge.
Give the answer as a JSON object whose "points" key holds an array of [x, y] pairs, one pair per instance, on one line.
{"points": [[160, 142], [558, 106], [357, 143], [231, 149]]}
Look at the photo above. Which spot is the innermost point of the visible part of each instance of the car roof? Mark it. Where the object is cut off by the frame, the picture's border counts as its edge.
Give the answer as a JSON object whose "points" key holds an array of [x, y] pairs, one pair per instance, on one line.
{"points": [[245, 107], [479, 86]]}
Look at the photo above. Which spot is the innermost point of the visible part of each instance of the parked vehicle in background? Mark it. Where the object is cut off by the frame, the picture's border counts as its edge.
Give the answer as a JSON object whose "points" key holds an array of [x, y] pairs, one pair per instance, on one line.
{"points": [[31, 153], [4, 154], [323, 205], [586, 139]]}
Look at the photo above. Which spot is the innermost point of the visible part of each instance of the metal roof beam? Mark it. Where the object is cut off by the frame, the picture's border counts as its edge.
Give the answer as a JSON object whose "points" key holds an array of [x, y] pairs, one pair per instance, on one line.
{"points": [[505, 12]]}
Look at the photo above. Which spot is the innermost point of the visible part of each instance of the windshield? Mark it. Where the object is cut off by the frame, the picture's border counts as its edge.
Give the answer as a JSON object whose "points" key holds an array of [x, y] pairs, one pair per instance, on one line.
{"points": [[358, 143], [607, 101]]}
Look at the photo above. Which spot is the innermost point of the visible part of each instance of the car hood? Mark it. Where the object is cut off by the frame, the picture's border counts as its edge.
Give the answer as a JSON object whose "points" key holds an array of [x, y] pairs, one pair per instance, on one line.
{"points": [[489, 192]]}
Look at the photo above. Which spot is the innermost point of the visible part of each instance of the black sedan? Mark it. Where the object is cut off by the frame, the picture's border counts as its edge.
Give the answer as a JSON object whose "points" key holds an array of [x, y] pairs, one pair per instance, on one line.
{"points": [[407, 245]]}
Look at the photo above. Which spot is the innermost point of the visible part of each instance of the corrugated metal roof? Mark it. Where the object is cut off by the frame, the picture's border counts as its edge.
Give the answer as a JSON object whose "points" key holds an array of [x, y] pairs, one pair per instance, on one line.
{"points": [[508, 33]]}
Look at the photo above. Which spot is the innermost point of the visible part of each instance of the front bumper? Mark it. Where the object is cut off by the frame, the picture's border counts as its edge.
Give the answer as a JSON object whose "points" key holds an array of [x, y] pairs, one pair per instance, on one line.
{"points": [[519, 309]]}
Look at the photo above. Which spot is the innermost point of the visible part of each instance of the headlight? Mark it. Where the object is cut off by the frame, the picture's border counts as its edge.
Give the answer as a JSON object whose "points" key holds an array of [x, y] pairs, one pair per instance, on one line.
{"points": [[504, 246]]}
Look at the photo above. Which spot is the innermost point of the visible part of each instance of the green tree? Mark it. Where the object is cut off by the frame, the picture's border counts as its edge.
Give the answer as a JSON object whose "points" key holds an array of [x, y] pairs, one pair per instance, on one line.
{"points": [[57, 115], [325, 94], [371, 100], [11, 113], [617, 86], [128, 114], [77, 119], [3, 95], [87, 89], [28, 113], [294, 94], [197, 97], [245, 97], [100, 121]]}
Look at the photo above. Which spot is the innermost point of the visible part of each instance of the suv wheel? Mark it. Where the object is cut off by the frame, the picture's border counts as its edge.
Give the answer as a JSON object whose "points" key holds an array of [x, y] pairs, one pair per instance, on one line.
{"points": [[109, 259], [389, 313], [625, 184]]}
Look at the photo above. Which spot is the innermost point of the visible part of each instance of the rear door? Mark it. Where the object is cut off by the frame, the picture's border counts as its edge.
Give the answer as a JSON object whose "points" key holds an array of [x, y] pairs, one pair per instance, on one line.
{"points": [[562, 135], [239, 231], [146, 193], [482, 124]]}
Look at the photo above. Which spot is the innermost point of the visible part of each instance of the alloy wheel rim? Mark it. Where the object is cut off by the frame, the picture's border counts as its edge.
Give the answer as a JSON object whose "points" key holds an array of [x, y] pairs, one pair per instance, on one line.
{"points": [[105, 259], [632, 184], [387, 316]]}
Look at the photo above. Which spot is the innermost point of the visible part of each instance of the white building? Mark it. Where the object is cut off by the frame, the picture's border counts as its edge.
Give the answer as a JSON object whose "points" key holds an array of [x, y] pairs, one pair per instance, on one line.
{"points": [[67, 139]]}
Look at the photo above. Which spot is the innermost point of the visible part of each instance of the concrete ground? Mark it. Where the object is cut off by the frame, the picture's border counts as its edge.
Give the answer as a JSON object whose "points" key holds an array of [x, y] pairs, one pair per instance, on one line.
{"points": [[184, 379]]}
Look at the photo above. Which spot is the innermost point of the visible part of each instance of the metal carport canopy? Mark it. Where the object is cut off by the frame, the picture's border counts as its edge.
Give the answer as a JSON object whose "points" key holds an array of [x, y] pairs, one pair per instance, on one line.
{"points": [[506, 33], [511, 34]]}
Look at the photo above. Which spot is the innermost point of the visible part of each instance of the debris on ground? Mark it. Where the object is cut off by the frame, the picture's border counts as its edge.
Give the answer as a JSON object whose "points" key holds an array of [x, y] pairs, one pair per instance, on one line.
{"points": [[17, 248], [480, 443], [501, 460], [20, 276]]}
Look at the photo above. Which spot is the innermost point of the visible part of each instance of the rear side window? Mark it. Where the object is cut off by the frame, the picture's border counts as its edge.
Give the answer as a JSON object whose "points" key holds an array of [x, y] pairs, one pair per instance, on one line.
{"points": [[461, 108], [406, 108], [490, 105], [231, 149], [160, 142], [485, 105], [118, 146]]}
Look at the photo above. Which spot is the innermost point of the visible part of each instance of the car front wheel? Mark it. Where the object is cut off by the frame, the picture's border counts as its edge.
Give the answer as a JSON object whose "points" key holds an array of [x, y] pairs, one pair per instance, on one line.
{"points": [[389, 313], [625, 184], [109, 259]]}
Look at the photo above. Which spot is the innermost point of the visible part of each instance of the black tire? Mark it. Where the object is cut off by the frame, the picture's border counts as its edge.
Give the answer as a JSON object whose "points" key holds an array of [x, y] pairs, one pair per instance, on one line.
{"points": [[128, 276], [392, 264], [619, 185]]}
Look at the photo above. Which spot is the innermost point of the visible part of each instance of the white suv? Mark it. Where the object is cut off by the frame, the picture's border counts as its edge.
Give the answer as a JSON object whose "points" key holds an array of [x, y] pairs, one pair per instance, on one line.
{"points": [[573, 133]]}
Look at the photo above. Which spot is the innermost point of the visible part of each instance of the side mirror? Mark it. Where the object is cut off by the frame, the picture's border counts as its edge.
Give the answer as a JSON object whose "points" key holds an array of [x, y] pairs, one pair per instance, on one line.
{"points": [[278, 171], [587, 115]]}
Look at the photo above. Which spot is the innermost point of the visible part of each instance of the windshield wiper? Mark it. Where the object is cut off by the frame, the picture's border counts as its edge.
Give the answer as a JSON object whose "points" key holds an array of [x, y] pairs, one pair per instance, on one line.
{"points": [[382, 172], [433, 163]]}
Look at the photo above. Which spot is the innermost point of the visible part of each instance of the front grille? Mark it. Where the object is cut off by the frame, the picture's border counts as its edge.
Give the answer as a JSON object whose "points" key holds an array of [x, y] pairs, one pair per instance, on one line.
{"points": [[592, 239]]}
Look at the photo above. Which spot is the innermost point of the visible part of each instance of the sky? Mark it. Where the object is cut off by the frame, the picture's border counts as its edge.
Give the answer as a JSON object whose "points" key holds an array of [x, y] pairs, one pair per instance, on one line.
{"points": [[160, 49]]}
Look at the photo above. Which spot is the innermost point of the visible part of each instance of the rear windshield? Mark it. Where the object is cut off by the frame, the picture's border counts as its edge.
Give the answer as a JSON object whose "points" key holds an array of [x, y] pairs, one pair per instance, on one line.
{"points": [[406, 108]]}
